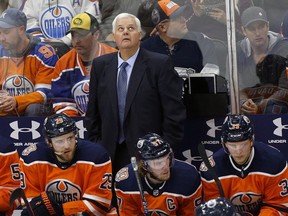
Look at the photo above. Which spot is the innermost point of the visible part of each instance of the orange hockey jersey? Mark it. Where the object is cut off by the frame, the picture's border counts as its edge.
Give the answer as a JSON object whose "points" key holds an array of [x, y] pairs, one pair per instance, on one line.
{"points": [[258, 188], [28, 77], [177, 196], [9, 174], [83, 185], [70, 83]]}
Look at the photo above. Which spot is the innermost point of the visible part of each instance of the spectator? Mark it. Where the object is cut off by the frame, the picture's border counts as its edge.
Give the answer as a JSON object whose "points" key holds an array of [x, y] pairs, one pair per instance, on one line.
{"points": [[266, 97], [70, 83], [187, 49], [153, 101], [209, 17], [26, 67], [110, 10], [10, 175], [162, 178], [51, 19], [258, 43], [66, 175], [275, 12], [253, 174]]}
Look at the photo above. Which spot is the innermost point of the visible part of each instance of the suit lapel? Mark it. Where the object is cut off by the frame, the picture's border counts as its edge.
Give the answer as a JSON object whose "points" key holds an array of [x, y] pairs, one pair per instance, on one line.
{"points": [[135, 79]]}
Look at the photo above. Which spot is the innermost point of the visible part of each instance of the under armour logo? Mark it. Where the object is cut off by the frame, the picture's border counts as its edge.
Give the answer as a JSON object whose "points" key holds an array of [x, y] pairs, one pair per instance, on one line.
{"points": [[33, 130], [280, 127], [213, 128], [82, 129], [189, 158]]}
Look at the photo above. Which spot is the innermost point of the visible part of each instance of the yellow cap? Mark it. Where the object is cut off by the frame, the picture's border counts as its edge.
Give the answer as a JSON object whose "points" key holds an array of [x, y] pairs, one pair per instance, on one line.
{"points": [[84, 21]]}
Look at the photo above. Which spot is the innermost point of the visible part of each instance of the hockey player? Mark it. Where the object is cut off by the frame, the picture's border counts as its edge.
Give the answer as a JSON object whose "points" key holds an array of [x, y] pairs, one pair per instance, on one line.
{"points": [[70, 83], [171, 187], [26, 66], [66, 175], [10, 175], [254, 175]]}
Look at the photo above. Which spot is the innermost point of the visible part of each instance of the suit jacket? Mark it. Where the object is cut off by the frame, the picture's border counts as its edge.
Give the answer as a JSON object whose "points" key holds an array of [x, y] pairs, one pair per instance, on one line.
{"points": [[153, 101]]}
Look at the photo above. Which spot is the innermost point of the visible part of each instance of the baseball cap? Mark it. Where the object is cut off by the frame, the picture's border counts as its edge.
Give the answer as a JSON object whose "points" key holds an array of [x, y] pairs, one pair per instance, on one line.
{"points": [[166, 9], [253, 14], [83, 23], [11, 18]]}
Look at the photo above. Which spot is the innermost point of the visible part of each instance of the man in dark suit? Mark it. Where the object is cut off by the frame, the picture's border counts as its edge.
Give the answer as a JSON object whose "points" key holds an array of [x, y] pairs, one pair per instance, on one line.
{"points": [[153, 99]]}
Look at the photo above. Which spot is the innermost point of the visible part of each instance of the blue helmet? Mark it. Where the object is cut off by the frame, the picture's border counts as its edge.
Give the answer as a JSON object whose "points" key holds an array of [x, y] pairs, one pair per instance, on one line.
{"points": [[218, 206], [152, 146], [58, 125], [236, 128]]}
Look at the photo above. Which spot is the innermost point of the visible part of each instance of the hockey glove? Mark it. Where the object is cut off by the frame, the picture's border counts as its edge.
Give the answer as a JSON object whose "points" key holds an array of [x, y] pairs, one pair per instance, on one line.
{"points": [[44, 205]]}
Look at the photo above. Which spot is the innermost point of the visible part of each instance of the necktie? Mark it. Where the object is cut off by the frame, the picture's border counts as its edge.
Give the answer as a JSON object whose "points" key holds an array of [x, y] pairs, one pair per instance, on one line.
{"points": [[121, 92]]}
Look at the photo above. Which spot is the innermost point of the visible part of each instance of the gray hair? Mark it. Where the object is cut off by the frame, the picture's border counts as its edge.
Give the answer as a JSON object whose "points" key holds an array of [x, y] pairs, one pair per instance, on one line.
{"points": [[126, 15]]}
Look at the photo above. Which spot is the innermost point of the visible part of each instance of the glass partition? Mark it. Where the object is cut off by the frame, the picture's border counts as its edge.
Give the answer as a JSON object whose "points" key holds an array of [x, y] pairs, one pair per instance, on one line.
{"points": [[231, 54]]}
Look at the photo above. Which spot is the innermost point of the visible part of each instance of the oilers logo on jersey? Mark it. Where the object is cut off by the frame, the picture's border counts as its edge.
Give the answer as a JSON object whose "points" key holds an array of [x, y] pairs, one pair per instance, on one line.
{"points": [[247, 202], [55, 22], [18, 85], [80, 92], [64, 190]]}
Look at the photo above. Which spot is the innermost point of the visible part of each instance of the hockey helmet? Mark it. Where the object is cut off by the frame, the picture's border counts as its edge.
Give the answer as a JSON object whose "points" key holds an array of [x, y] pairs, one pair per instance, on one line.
{"points": [[218, 206], [152, 146], [58, 124], [236, 128]]}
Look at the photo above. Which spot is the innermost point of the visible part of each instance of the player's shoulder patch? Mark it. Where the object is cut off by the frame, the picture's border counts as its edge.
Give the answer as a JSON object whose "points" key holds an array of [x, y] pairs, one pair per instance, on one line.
{"points": [[29, 149], [203, 166], [122, 174]]}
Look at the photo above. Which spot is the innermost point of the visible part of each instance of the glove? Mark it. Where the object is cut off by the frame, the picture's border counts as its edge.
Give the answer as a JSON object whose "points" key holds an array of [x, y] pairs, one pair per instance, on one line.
{"points": [[44, 205]]}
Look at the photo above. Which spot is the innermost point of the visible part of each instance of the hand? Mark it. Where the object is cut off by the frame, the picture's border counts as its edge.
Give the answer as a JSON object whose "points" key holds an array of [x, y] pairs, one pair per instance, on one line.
{"points": [[249, 107], [197, 7], [218, 15], [44, 205], [8, 104]]}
